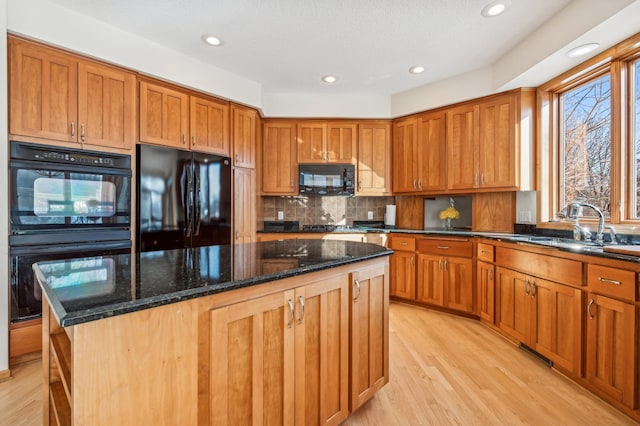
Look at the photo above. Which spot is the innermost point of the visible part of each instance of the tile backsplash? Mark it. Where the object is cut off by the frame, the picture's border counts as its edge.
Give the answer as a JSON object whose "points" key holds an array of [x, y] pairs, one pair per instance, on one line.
{"points": [[317, 210]]}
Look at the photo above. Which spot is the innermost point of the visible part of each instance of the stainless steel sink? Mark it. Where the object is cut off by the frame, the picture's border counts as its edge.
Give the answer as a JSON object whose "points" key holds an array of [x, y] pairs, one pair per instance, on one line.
{"points": [[563, 243]]}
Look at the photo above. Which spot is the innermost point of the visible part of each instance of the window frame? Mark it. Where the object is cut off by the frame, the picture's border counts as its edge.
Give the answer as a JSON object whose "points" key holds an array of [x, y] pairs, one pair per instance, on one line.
{"points": [[617, 62]]}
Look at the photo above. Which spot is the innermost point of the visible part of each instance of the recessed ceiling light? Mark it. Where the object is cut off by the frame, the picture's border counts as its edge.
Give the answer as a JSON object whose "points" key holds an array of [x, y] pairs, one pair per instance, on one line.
{"points": [[416, 70], [211, 40], [582, 50], [329, 79], [495, 8]]}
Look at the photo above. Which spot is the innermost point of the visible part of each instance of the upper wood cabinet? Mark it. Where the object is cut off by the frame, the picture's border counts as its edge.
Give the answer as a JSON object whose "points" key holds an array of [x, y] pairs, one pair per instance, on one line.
{"points": [[61, 97], [326, 142], [405, 137], [171, 117], [209, 125], [243, 135], [419, 153], [489, 143], [164, 116], [374, 159], [279, 165]]}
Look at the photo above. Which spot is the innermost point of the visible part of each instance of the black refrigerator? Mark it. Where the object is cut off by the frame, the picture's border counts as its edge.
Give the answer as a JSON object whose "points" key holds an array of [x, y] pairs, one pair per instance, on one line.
{"points": [[183, 199]]}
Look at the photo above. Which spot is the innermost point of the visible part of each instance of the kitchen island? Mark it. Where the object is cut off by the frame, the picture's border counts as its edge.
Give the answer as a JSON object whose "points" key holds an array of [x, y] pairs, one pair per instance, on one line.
{"points": [[293, 332]]}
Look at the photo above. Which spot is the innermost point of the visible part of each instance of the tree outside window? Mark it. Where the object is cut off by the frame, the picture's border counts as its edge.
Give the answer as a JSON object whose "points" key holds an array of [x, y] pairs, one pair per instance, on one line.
{"points": [[586, 145]]}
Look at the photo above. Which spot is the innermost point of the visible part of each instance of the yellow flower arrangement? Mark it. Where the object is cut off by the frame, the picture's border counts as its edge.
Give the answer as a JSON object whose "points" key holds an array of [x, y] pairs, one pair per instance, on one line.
{"points": [[449, 213]]}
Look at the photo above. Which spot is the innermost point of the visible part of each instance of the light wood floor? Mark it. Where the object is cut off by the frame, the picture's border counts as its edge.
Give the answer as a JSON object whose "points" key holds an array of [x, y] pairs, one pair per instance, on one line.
{"points": [[444, 370]]}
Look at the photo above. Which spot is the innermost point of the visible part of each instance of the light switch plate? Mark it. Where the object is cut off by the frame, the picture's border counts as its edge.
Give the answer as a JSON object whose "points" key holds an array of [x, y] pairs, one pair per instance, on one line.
{"points": [[369, 215], [524, 216], [280, 215]]}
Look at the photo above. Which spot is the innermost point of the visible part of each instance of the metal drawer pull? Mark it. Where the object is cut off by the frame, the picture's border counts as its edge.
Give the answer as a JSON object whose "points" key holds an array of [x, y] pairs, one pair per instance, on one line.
{"points": [[290, 302], [404, 244], [589, 308], [357, 295], [443, 247], [607, 280], [301, 301], [484, 252]]}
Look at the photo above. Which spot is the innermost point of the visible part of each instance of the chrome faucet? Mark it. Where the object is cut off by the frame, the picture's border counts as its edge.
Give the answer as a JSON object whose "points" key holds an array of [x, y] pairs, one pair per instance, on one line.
{"points": [[574, 210]]}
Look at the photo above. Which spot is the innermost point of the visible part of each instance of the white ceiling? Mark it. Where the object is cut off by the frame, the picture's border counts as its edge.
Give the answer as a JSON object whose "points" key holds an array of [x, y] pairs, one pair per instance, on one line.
{"points": [[287, 45]]}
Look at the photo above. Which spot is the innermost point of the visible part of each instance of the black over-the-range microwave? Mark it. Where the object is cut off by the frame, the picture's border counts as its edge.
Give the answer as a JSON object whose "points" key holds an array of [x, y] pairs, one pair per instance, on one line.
{"points": [[327, 179]]}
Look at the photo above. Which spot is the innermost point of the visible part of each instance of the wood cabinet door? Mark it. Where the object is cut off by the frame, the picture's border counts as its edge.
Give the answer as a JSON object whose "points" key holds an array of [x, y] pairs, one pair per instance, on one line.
{"points": [[322, 352], [43, 92], [209, 125], [497, 150], [611, 355], [369, 333], [248, 339], [405, 135], [462, 145], [341, 143], [243, 136], [106, 106], [512, 304], [558, 318], [374, 159], [486, 291], [164, 116], [279, 165], [244, 205], [459, 288], [430, 153], [430, 282], [402, 269], [312, 142]]}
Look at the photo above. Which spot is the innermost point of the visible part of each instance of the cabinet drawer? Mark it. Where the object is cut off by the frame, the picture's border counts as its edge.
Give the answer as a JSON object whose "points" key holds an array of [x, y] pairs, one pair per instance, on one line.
{"points": [[485, 252], [402, 243], [445, 247], [565, 271], [612, 282]]}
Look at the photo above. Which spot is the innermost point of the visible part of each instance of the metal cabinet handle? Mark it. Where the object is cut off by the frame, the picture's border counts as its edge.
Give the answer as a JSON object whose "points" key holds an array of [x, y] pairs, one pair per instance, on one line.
{"points": [[533, 289], [82, 137], [481, 178], [184, 139], [412, 261], [359, 185], [292, 317], [527, 286], [591, 302], [357, 295], [446, 263], [440, 264], [490, 274], [475, 179], [292, 183], [73, 129], [443, 247], [301, 301], [419, 183], [608, 281], [237, 158], [236, 235], [193, 140], [415, 183]]}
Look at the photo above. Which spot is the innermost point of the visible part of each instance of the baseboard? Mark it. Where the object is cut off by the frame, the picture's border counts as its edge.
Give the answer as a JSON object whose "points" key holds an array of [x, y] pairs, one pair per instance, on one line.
{"points": [[5, 375]]}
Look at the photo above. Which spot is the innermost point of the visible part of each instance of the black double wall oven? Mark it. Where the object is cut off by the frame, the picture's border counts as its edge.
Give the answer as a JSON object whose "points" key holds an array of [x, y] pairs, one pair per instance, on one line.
{"points": [[64, 203]]}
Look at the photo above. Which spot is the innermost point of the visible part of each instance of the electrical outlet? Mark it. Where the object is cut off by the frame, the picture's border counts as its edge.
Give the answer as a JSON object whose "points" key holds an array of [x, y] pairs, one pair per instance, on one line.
{"points": [[524, 216], [369, 215], [280, 215]]}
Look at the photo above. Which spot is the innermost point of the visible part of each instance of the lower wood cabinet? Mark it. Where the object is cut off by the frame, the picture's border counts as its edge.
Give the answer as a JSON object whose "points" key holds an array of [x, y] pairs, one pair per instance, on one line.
{"points": [[446, 280], [611, 357], [485, 284], [543, 315], [290, 347], [369, 333]]}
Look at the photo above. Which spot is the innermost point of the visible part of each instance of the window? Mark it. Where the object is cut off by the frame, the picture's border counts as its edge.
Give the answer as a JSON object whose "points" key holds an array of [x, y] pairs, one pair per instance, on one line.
{"points": [[634, 78], [585, 144], [589, 138]]}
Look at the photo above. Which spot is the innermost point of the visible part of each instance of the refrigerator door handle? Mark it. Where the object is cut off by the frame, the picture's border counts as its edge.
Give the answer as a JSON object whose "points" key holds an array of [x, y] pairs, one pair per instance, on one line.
{"points": [[188, 202], [196, 199]]}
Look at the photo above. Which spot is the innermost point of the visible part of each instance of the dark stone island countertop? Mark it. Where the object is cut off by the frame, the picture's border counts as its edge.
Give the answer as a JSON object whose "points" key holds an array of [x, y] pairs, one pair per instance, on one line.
{"points": [[87, 289]]}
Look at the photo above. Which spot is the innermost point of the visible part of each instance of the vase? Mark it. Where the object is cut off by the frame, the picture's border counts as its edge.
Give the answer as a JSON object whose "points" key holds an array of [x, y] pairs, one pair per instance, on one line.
{"points": [[447, 224]]}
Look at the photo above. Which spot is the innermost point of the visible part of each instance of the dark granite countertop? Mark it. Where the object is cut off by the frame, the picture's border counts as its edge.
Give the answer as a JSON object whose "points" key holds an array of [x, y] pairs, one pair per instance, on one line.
{"points": [[87, 289]]}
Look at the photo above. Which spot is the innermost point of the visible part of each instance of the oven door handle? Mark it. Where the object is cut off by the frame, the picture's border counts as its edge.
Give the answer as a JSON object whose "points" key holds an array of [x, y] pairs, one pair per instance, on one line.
{"points": [[76, 247]]}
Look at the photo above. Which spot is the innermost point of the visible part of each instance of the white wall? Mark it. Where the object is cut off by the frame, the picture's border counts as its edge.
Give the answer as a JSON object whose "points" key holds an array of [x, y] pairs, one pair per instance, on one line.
{"points": [[4, 199]]}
